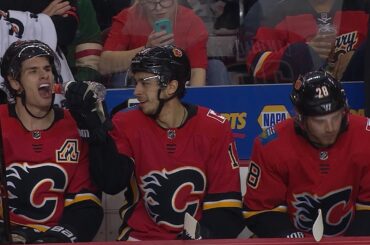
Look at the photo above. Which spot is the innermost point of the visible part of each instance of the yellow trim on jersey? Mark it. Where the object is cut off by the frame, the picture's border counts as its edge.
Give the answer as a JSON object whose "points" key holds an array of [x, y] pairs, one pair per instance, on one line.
{"points": [[38, 227], [260, 62], [362, 207], [41, 228], [123, 233], [135, 193], [227, 203], [248, 214], [82, 197]]}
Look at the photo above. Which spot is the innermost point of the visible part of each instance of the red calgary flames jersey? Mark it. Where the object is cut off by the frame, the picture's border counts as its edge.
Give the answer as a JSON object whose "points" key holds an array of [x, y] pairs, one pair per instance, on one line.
{"points": [[46, 170], [191, 169], [288, 174]]}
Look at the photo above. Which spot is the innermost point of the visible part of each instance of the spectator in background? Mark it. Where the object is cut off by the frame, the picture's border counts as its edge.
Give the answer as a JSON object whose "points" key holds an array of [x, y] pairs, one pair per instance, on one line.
{"points": [[51, 196], [318, 160], [304, 35], [63, 14], [132, 30], [106, 9], [84, 52], [366, 70]]}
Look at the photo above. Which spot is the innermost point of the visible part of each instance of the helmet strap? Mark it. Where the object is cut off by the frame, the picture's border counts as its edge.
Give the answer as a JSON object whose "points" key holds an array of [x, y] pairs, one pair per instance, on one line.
{"points": [[161, 103], [23, 98]]}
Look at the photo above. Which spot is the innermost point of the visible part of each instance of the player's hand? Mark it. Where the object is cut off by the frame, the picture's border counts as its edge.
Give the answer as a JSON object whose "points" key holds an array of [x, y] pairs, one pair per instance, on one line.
{"points": [[323, 44], [159, 39], [57, 7], [89, 112], [24, 234]]}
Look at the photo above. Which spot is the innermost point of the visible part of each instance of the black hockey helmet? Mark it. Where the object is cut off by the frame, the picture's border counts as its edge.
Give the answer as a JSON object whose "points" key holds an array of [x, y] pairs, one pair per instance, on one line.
{"points": [[168, 62], [20, 51], [317, 93]]}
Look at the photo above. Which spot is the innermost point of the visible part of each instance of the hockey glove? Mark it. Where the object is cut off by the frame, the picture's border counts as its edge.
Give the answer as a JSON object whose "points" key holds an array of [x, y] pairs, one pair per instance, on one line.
{"points": [[200, 233], [296, 234], [24, 234], [57, 234], [193, 230], [89, 112]]}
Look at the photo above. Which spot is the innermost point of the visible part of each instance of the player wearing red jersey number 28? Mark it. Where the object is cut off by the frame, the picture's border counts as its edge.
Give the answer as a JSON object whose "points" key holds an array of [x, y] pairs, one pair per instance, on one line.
{"points": [[319, 160]]}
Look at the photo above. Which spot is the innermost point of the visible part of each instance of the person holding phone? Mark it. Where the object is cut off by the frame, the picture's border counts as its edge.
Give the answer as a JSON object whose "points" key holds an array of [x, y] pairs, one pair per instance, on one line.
{"points": [[301, 36], [151, 23]]}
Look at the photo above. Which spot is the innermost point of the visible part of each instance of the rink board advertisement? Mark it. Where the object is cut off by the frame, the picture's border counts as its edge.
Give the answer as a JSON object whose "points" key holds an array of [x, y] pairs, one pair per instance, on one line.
{"points": [[249, 108]]}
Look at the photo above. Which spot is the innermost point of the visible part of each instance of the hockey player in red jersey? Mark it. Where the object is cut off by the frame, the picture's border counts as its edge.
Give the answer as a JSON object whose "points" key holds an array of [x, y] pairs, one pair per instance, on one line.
{"points": [[317, 161], [51, 197], [182, 157]]}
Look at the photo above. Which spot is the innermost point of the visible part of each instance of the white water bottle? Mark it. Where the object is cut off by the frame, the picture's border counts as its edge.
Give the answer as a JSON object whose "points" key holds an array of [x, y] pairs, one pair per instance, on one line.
{"points": [[99, 89]]}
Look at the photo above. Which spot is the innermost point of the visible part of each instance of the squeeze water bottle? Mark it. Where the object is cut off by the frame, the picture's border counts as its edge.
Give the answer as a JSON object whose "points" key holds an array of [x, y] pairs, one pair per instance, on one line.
{"points": [[99, 89]]}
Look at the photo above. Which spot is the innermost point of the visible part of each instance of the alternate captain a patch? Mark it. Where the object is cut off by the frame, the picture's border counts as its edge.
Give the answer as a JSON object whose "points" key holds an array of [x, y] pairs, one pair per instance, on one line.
{"points": [[69, 152], [267, 135]]}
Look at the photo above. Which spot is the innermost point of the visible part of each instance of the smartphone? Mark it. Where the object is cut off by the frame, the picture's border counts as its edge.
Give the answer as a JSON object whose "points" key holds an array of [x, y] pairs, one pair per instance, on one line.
{"points": [[163, 25]]}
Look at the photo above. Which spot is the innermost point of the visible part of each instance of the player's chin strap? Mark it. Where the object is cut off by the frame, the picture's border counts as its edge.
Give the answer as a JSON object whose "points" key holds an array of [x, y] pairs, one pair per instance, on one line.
{"points": [[161, 103], [23, 98]]}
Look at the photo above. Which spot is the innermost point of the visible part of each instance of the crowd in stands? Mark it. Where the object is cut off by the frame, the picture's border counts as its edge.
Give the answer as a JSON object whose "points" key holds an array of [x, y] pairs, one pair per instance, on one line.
{"points": [[227, 42]]}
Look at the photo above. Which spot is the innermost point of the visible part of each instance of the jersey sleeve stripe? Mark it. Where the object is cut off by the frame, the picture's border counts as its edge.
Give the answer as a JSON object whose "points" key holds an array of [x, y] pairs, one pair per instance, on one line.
{"points": [[229, 203], [124, 233], [82, 197], [249, 214], [261, 61], [38, 227], [362, 207]]}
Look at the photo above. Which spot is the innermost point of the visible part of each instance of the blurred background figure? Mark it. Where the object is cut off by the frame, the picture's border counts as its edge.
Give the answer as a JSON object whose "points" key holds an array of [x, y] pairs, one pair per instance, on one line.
{"points": [[62, 13], [83, 53], [106, 9], [133, 29], [299, 36]]}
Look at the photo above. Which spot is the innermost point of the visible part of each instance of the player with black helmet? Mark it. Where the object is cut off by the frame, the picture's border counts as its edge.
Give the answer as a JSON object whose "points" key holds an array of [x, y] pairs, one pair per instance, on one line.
{"points": [[51, 196], [316, 162], [182, 157], [11, 68]]}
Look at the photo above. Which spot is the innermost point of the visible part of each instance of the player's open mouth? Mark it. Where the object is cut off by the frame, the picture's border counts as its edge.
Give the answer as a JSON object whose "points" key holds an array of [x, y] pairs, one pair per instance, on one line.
{"points": [[141, 102], [45, 90]]}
